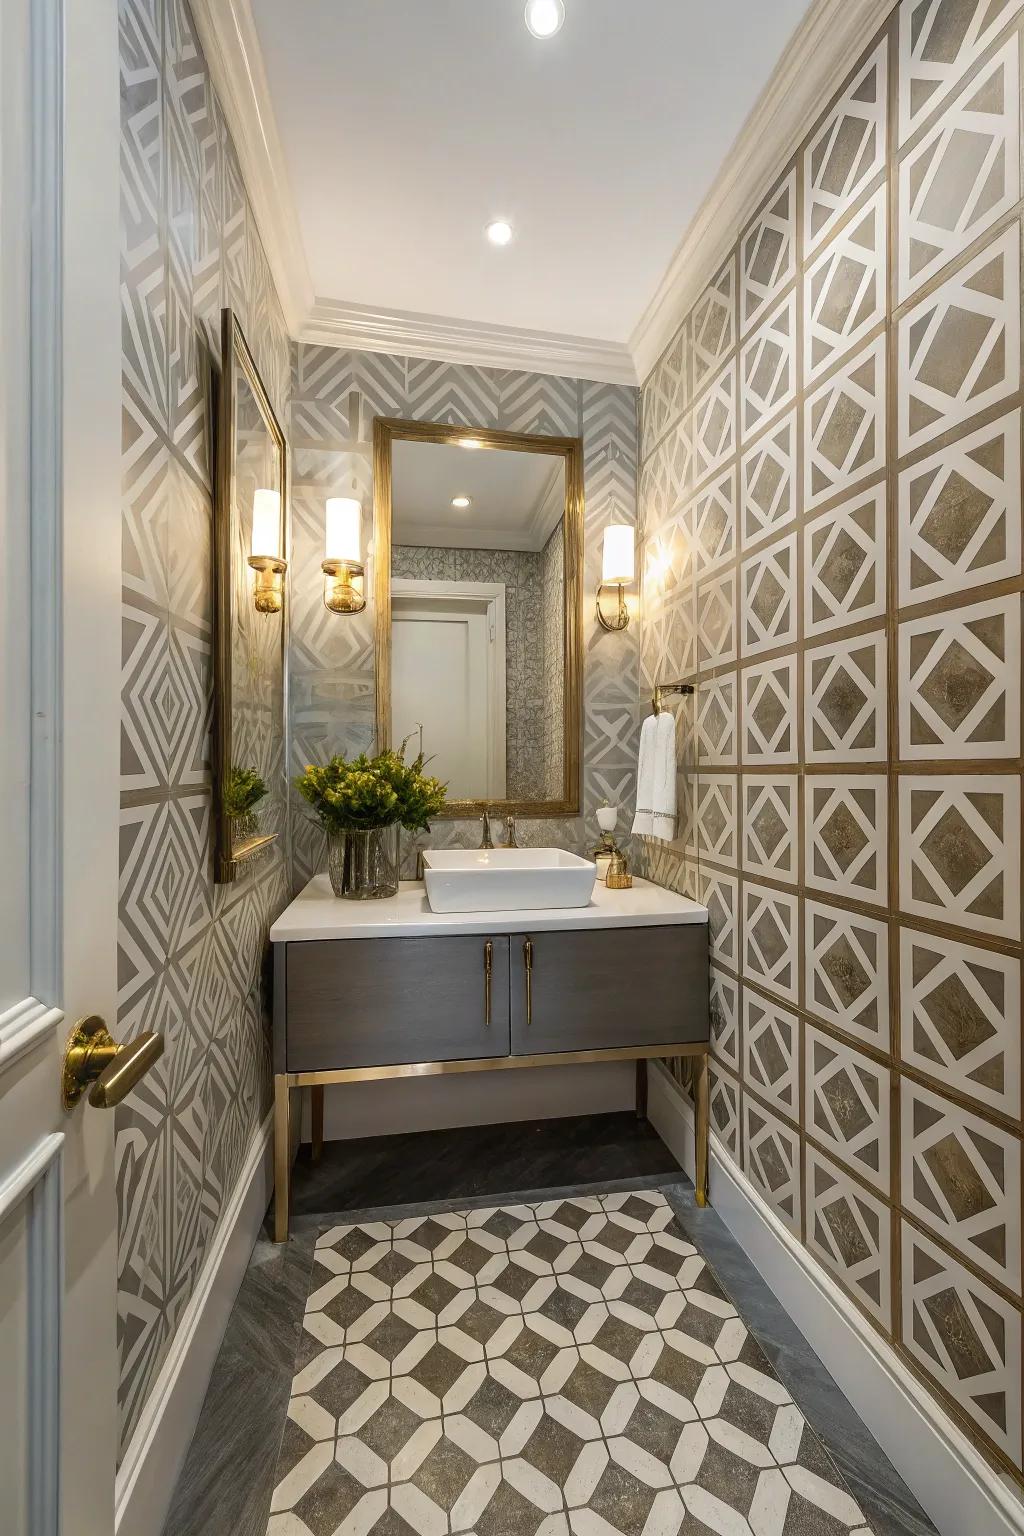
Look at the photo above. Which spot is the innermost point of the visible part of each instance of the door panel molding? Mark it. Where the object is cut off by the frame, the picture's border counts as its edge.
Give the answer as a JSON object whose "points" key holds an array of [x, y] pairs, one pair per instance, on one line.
{"points": [[26, 1025], [38, 1183], [46, 488]]}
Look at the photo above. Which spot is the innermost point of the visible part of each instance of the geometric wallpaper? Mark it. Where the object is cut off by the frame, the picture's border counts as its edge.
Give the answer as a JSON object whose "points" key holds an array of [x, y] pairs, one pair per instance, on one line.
{"points": [[830, 511], [191, 954], [336, 395]]}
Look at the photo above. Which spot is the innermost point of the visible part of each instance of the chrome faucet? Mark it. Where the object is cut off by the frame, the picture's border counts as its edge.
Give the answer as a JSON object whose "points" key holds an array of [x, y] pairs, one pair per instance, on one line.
{"points": [[511, 841], [485, 841]]}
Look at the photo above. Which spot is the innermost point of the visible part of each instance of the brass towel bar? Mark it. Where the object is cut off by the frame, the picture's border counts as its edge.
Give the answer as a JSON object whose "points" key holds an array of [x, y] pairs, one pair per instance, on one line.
{"points": [[663, 688]]}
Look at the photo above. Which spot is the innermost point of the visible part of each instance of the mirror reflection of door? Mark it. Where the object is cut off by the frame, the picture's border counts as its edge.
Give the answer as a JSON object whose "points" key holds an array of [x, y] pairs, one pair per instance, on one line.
{"points": [[453, 630], [478, 621]]}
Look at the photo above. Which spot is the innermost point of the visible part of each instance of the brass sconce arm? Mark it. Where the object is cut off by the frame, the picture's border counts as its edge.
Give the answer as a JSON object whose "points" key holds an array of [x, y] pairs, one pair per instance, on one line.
{"points": [[618, 620]]}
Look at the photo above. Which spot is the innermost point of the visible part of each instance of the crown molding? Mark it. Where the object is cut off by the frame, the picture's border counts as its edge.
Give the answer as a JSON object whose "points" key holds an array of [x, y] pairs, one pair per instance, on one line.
{"points": [[231, 44], [812, 67], [814, 64], [466, 341]]}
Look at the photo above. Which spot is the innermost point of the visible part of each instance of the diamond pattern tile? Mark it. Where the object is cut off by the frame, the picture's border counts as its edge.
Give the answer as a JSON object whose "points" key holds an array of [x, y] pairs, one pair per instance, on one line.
{"points": [[854, 599], [638, 1403]]}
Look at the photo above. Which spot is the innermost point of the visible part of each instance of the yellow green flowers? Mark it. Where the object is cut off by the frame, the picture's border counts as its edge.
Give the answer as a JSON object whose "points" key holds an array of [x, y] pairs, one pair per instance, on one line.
{"points": [[372, 792]]}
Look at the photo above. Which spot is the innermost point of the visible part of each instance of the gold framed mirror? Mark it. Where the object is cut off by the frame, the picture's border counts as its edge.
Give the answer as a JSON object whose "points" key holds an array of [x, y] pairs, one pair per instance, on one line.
{"points": [[478, 591], [250, 593]]}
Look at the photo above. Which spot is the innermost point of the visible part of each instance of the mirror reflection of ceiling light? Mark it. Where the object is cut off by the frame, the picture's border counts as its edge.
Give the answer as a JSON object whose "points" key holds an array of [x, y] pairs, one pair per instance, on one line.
{"points": [[462, 501], [499, 232], [469, 442], [544, 17]]}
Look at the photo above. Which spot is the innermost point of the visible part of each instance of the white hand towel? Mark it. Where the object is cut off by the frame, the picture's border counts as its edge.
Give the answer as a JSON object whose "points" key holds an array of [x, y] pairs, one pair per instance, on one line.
{"points": [[643, 821], [663, 801]]}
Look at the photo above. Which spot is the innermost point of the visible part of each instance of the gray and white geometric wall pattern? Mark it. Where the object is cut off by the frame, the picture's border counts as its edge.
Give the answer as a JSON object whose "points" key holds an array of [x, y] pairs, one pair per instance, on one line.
{"points": [[849, 609], [191, 954], [336, 397]]}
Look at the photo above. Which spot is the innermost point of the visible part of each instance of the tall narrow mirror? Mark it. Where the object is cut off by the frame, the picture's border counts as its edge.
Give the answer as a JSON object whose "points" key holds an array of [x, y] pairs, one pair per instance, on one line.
{"points": [[483, 630], [251, 561]]}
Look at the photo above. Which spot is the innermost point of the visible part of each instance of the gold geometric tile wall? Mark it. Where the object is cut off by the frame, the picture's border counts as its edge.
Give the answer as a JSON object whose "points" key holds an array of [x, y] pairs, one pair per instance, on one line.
{"points": [[830, 507]]}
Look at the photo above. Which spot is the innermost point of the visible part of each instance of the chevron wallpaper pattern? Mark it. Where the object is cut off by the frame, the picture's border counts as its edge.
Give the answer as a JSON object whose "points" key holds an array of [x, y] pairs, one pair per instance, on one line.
{"points": [[831, 519], [335, 397], [191, 953]]}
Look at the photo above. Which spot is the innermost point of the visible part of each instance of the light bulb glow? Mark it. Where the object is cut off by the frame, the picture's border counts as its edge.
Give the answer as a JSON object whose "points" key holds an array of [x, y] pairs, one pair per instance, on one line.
{"points": [[462, 501], [618, 564], [266, 524], [343, 530], [544, 17], [499, 232]]}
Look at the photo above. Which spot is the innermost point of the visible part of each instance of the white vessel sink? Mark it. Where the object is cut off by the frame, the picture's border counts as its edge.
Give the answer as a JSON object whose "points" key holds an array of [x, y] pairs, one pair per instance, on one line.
{"points": [[506, 879]]}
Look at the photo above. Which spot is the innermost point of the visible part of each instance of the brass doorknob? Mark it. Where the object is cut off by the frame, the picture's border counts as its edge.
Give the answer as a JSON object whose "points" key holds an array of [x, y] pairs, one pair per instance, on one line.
{"points": [[92, 1056]]}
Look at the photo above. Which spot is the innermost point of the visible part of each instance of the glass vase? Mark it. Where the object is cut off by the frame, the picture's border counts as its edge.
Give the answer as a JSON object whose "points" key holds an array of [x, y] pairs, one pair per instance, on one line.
{"points": [[363, 866]]}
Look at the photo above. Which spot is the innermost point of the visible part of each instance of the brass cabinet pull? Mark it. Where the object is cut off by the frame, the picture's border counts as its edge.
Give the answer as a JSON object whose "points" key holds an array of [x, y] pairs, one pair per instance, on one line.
{"points": [[488, 971], [528, 963], [93, 1060]]}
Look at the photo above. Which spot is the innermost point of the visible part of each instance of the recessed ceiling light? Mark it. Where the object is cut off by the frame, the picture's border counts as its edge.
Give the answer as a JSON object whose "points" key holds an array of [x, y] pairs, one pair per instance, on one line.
{"points": [[544, 17], [462, 501], [499, 232]]}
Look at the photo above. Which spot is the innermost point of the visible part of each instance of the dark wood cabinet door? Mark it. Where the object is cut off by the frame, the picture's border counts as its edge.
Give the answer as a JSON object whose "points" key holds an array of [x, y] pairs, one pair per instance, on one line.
{"points": [[608, 988], [381, 1002]]}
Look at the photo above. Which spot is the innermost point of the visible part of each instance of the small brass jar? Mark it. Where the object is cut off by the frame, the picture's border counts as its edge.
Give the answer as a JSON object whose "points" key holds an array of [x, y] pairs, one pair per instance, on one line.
{"points": [[618, 877]]}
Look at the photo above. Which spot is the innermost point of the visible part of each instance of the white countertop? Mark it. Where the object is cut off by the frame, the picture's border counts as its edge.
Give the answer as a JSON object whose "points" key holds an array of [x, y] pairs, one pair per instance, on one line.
{"points": [[316, 913]]}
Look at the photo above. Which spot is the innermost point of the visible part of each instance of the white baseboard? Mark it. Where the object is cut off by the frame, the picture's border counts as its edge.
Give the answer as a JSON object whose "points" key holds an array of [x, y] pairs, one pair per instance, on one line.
{"points": [[955, 1485], [157, 1449]]}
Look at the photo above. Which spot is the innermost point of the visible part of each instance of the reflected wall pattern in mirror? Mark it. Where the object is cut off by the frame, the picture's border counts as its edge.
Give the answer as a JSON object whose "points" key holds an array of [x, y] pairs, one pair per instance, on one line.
{"points": [[478, 586], [250, 554]]}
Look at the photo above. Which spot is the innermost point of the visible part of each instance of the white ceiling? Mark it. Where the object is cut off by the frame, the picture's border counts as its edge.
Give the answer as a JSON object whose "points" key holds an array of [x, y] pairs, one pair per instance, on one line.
{"points": [[407, 124], [517, 498]]}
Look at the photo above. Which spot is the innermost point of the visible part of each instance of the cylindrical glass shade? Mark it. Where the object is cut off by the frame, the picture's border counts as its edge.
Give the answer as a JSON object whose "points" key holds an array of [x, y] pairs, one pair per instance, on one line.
{"points": [[266, 524], [618, 564], [343, 535]]}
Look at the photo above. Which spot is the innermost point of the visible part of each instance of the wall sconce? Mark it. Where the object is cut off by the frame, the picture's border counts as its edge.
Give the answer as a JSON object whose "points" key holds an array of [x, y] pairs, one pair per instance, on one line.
{"points": [[266, 561], [342, 564], [617, 571]]}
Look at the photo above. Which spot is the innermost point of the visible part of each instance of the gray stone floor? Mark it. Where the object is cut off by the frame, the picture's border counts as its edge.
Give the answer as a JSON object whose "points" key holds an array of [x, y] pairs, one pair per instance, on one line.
{"points": [[228, 1481]]}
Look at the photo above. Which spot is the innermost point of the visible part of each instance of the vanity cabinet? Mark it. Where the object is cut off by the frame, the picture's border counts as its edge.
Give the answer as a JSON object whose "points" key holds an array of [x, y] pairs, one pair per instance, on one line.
{"points": [[608, 988], [349, 1003], [381, 1002], [371, 990]]}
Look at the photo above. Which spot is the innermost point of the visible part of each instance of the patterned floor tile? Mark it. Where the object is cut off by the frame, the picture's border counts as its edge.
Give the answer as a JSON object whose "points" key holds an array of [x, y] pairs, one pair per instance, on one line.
{"points": [[569, 1368]]}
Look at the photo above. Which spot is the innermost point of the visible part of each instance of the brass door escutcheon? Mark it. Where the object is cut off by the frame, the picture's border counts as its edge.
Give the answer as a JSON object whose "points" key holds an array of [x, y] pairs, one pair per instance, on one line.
{"points": [[93, 1057]]}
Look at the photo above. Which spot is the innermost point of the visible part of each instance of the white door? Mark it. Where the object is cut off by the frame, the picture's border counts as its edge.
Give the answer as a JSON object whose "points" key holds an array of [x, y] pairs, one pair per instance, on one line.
{"points": [[448, 672], [59, 730]]}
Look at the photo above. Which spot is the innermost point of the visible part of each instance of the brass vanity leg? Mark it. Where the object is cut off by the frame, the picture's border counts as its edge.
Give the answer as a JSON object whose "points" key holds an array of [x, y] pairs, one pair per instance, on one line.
{"points": [[641, 1088], [282, 1156], [701, 1128], [316, 1112]]}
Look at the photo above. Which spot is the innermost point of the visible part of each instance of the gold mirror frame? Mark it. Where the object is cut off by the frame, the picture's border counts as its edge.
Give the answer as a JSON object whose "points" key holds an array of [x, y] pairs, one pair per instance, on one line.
{"points": [[236, 355], [570, 450]]}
